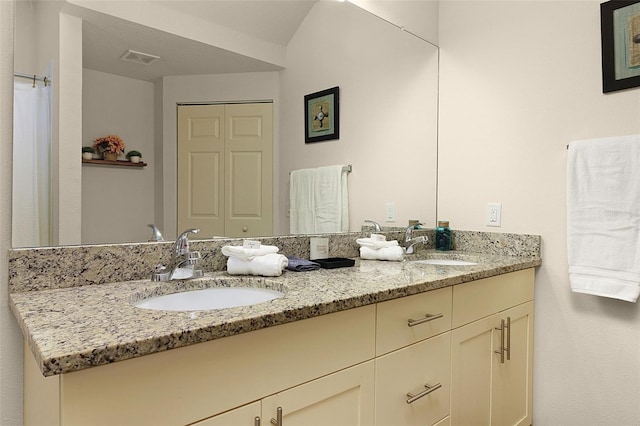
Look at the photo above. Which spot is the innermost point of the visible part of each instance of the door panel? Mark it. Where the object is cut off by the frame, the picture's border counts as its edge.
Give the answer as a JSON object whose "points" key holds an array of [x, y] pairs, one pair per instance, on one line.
{"points": [[201, 169], [225, 169], [249, 176]]}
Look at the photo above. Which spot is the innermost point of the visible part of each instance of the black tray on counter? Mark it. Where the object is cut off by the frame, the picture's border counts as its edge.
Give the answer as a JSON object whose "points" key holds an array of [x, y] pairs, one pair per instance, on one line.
{"points": [[335, 262]]}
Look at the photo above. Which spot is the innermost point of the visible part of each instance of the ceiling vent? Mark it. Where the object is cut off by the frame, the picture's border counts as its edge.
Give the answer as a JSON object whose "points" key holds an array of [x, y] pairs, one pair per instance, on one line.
{"points": [[138, 57]]}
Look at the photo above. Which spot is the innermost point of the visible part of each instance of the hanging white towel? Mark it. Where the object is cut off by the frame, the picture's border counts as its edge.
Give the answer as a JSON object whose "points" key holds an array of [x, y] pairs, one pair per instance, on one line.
{"points": [[603, 217], [319, 200]]}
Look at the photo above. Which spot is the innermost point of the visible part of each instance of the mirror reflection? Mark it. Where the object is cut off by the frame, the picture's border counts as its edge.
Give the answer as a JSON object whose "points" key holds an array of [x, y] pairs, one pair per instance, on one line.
{"points": [[388, 98]]}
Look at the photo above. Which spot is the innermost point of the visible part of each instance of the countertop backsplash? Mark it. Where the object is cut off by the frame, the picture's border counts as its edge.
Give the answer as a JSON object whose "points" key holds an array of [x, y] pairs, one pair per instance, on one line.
{"points": [[74, 266]]}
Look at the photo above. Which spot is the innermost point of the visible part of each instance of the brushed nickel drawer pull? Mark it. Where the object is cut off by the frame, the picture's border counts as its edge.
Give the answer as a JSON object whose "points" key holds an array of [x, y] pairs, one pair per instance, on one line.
{"points": [[256, 421], [278, 420], [427, 391], [427, 318], [502, 349], [508, 338]]}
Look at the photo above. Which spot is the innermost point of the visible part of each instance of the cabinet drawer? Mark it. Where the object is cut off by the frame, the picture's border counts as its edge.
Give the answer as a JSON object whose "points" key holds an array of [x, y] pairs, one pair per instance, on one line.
{"points": [[478, 299], [392, 323], [409, 370]]}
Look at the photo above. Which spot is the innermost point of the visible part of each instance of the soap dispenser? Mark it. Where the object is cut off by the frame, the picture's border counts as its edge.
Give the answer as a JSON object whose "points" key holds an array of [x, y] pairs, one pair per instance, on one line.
{"points": [[443, 236]]}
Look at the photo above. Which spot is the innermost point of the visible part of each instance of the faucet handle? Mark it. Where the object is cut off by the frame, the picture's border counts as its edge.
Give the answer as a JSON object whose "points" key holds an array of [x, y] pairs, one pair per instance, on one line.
{"points": [[182, 243]]}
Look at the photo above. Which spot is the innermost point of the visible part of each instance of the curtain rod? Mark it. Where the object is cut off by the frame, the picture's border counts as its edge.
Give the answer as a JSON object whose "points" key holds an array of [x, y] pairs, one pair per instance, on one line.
{"points": [[34, 78]]}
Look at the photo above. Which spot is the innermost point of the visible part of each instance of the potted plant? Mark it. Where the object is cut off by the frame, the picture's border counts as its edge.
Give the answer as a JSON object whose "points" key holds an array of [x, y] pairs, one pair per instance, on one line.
{"points": [[134, 156], [87, 152], [109, 146]]}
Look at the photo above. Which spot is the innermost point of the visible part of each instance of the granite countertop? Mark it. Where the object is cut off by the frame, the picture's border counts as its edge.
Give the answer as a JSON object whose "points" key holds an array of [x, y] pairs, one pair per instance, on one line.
{"points": [[70, 329]]}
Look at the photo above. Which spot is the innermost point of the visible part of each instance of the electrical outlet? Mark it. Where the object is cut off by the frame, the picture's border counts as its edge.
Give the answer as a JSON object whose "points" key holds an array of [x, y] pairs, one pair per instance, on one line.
{"points": [[390, 212], [494, 214]]}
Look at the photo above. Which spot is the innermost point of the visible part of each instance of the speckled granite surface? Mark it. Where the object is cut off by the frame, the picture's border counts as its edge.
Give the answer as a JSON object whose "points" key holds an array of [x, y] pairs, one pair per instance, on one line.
{"points": [[71, 323]]}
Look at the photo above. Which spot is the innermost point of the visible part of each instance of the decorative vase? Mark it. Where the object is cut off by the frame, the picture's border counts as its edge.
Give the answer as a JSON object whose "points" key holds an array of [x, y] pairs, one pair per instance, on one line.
{"points": [[134, 159], [87, 156], [110, 156]]}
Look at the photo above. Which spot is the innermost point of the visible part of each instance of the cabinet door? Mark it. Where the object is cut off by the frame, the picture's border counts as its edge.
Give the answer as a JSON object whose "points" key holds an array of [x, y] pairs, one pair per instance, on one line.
{"points": [[512, 380], [242, 416], [485, 390], [343, 398], [410, 370], [472, 354]]}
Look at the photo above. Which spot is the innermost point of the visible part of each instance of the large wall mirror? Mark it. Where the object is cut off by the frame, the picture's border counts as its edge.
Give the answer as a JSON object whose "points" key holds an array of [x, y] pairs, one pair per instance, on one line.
{"points": [[225, 52]]}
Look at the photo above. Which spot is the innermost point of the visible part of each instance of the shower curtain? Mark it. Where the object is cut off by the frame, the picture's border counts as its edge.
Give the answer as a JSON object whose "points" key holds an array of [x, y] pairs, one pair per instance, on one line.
{"points": [[31, 165]]}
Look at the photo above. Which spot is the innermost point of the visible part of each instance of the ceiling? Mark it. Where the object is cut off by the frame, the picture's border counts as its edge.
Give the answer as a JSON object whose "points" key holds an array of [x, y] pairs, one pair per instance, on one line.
{"points": [[106, 38]]}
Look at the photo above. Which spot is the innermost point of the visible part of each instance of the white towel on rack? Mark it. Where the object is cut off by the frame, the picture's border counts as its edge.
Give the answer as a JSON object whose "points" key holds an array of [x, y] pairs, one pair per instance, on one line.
{"points": [[319, 200], [603, 217]]}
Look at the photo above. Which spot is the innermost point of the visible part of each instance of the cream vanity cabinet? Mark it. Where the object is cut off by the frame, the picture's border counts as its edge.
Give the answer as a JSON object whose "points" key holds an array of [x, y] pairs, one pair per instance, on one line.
{"points": [[343, 398], [328, 359], [492, 351], [426, 359], [413, 348]]}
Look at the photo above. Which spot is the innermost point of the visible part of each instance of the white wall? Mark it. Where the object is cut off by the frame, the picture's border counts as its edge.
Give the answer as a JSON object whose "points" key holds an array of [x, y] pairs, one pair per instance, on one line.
{"points": [[520, 80], [118, 202], [206, 88], [10, 336], [388, 128]]}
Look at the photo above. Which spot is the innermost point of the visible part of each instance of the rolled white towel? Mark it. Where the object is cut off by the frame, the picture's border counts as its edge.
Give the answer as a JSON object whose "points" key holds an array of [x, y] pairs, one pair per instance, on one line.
{"points": [[395, 253], [376, 244], [243, 253], [268, 265]]}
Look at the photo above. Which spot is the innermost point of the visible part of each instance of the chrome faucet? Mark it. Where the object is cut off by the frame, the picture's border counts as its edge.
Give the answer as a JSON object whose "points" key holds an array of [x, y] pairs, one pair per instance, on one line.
{"points": [[410, 242], [156, 234], [376, 226], [184, 262]]}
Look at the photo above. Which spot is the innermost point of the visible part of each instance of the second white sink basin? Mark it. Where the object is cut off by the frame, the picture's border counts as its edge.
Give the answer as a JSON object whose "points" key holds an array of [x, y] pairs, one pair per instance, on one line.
{"points": [[209, 298], [449, 262]]}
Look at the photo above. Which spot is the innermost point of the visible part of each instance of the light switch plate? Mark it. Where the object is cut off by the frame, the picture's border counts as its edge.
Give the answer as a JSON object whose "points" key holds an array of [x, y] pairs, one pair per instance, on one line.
{"points": [[390, 212]]}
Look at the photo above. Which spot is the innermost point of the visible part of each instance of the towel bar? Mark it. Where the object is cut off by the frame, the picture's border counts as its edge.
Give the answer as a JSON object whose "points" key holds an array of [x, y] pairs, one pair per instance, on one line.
{"points": [[346, 168]]}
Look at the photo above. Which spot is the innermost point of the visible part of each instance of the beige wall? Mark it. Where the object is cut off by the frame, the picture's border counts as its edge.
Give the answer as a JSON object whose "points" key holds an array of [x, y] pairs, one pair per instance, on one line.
{"points": [[388, 100], [519, 80], [11, 346], [118, 202]]}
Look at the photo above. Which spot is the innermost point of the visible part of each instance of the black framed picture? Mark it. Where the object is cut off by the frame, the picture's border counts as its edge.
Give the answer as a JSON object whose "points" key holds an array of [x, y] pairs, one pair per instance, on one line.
{"points": [[620, 30], [322, 115]]}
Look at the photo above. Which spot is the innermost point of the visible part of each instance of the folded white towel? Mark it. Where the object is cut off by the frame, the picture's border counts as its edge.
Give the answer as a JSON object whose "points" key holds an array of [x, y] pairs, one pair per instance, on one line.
{"points": [[240, 252], [603, 220], [375, 244], [394, 253], [268, 265]]}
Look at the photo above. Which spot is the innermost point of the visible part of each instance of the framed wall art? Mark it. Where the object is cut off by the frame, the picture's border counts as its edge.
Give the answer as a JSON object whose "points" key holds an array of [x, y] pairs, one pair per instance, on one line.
{"points": [[322, 116], [620, 29]]}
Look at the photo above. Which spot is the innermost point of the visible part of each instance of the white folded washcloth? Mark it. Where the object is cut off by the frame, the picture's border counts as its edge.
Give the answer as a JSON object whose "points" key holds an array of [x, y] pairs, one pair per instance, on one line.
{"points": [[243, 253], [375, 243], [268, 265], [394, 253]]}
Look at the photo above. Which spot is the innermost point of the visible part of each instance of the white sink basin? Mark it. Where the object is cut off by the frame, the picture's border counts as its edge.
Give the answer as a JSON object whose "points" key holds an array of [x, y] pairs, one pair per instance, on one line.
{"points": [[449, 262], [210, 298]]}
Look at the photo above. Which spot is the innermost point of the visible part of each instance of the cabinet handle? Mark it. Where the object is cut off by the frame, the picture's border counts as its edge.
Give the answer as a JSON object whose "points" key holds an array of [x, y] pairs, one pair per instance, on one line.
{"points": [[427, 391], [278, 420], [502, 348], [508, 338], [256, 421], [427, 318]]}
